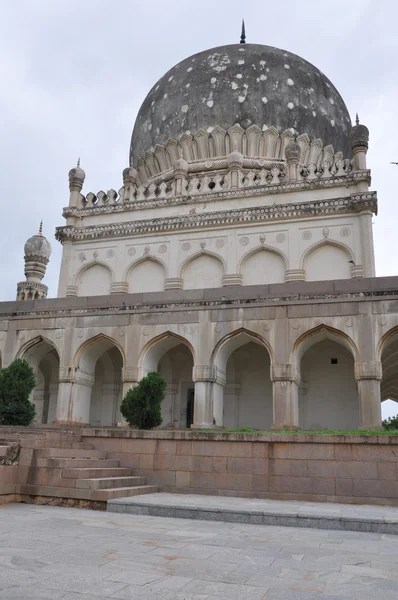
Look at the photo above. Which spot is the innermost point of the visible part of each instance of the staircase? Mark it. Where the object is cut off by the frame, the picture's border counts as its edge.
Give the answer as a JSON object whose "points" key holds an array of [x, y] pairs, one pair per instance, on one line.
{"points": [[65, 467]]}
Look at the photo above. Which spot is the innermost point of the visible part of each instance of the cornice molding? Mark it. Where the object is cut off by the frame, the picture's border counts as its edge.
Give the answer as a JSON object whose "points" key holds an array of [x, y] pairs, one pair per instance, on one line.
{"points": [[226, 218]]}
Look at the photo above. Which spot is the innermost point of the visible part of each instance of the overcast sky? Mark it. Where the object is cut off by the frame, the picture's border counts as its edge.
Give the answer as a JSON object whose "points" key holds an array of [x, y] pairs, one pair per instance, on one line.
{"points": [[75, 72]]}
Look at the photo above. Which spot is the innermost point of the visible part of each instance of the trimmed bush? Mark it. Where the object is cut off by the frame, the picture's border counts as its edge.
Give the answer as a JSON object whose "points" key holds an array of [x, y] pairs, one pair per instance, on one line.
{"points": [[391, 423], [142, 406], [16, 384]]}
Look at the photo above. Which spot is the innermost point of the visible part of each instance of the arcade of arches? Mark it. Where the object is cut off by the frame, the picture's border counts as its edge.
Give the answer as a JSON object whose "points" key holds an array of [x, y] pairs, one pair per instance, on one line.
{"points": [[241, 387]]}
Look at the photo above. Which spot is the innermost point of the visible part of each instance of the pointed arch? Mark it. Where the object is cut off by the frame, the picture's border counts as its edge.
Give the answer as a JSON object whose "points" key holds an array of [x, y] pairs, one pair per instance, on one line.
{"points": [[142, 259], [317, 334], [385, 341], [387, 355], [263, 264], [158, 346], [146, 274], [95, 347], [258, 249], [234, 340], [77, 282], [34, 342], [204, 269], [88, 266], [338, 266], [198, 255], [327, 242]]}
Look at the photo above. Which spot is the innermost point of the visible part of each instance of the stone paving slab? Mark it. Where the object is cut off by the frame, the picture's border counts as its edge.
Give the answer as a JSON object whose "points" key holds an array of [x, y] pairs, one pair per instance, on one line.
{"points": [[344, 517], [55, 553]]}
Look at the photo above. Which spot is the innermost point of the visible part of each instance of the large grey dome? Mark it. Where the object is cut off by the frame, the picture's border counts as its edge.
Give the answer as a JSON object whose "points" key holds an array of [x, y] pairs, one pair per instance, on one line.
{"points": [[38, 246], [249, 84]]}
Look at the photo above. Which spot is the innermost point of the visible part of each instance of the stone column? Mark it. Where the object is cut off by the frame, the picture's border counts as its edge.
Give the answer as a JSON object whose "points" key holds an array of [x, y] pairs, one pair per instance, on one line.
{"points": [[204, 377], [368, 255], [285, 380], [64, 395], [368, 376]]}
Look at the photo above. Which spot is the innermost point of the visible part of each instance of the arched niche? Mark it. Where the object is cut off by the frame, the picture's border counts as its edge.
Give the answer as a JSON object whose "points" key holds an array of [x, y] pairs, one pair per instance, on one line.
{"points": [[44, 360], [327, 261], [172, 357], [94, 280], [202, 271], [97, 391], [328, 392], [146, 275], [242, 395], [263, 266], [388, 352]]}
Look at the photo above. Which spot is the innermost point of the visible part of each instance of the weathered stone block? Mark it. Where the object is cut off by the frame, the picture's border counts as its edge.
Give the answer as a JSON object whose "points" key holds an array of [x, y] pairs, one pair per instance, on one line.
{"points": [[246, 465], [304, 451]]}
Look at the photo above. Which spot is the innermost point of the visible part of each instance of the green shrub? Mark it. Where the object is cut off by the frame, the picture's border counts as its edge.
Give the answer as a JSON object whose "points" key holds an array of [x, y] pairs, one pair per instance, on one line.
{"points": [[16, 384], [142, 406], [391, 423]]}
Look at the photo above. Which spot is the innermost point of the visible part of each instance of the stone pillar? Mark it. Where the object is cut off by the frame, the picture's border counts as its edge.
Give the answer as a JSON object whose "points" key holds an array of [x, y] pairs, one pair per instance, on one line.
{"points": [[235, 164], [285, 380], [368, 376], [368, 254], [204, 377], [292, 154], [81, 398], [74, 396]]}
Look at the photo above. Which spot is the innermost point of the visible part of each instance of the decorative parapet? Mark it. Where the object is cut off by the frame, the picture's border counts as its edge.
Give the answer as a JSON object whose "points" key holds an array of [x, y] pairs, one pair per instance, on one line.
{"points": [[227, 218], [205, 188]]}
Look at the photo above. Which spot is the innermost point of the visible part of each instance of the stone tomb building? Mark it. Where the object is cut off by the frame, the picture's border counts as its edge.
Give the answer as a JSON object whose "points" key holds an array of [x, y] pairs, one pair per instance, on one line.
{"points": [[236, 259]]}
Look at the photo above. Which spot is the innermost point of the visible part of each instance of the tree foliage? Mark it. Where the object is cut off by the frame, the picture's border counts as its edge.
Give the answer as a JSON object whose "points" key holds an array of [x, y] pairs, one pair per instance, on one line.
{"points": [[142, 406], [16, 384], [391, 423]]}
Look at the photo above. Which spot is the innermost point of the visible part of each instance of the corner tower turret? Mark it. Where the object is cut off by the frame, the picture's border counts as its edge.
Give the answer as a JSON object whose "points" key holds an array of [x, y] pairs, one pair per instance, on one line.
{"points": [[37, 256]]}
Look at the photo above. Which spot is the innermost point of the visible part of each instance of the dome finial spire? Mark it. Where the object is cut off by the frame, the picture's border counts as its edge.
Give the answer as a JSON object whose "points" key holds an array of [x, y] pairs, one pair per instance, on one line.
{"points": [[78, 162], [357, 119], [41, 227], [243, 33]]}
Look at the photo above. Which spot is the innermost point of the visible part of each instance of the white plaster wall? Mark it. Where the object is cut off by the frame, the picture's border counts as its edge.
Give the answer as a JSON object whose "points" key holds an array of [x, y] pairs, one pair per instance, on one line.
{"points": [[327, 262], [328, 396], [248, 372], [263, 267], [232, 246], [146, 276], [95, 281]]}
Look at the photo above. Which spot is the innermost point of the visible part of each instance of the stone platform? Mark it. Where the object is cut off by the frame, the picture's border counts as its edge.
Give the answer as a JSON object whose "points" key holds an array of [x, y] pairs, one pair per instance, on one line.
{"points": [[343, 517]]}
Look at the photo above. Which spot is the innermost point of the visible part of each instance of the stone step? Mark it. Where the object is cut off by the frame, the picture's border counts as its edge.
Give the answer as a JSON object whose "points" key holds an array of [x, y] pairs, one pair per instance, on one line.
{"points": [[81, 463], [123, 492], [96, 473], [61, 444], [103, 483], [68, 453]]}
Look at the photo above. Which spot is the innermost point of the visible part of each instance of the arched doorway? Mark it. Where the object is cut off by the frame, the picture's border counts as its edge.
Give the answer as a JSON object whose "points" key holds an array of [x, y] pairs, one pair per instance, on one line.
{"points": [[97, 392], [389, 381], [246, 399], [328, 393], [172, 357], [44, 360]]}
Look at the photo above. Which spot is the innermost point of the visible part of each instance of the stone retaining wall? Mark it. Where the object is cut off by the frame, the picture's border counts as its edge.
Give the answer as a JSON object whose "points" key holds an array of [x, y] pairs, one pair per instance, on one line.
{"points": [[322, 468]]}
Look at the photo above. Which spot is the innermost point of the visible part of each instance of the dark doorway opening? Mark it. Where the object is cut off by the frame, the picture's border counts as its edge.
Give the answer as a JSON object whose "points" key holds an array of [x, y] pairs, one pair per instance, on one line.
{"points": [[190, 406]]}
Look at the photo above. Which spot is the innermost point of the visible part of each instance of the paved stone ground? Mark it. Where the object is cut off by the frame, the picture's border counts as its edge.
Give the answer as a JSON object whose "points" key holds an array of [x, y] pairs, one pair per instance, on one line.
{"points": [[321, 515], [72, 554]]}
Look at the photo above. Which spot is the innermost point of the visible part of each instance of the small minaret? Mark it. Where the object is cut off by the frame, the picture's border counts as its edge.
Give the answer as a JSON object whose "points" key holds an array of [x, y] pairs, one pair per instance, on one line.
{"points": [[76, 181], [37, 255], [360, 144]]}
